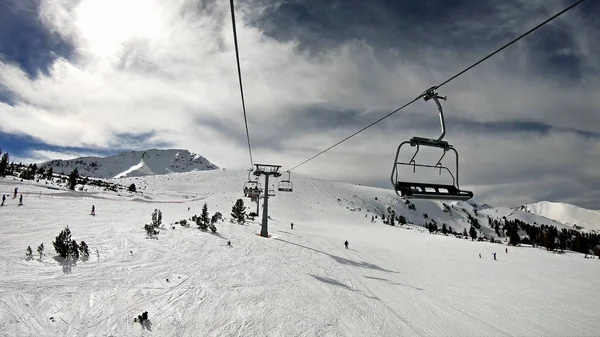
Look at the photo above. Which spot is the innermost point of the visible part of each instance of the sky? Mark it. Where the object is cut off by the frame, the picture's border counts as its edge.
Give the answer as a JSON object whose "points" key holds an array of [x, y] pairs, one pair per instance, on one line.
{"points": [[97, 77]]}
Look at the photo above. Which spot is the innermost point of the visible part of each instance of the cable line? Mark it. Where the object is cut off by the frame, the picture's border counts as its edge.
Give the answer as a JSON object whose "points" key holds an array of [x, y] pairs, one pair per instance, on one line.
{"points": [[237, 57], [443, 83]]}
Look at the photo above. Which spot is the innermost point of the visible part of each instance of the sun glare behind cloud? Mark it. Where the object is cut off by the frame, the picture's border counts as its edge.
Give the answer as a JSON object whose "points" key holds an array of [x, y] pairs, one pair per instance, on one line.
{"points": [[105, 25]]}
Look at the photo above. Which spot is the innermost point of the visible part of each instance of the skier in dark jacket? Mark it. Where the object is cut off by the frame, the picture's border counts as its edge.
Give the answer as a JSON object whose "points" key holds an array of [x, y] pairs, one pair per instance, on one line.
{"points": [[346, 244], [3, 199]]}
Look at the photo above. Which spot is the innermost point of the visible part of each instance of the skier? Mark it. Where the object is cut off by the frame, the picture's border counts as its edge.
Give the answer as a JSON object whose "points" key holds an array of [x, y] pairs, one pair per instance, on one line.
{"points": [[21, 200], [3, 199], [292, 225], [93, 211], [15, 194], [229, 243], [245, 191], [494, 256], [346, 244], [506, 250], [480, 255]]}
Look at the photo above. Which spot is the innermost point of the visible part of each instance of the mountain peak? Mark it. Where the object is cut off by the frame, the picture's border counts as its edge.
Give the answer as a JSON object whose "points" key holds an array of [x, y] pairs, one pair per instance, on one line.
{"points": [[567, 214], [134, 164]]}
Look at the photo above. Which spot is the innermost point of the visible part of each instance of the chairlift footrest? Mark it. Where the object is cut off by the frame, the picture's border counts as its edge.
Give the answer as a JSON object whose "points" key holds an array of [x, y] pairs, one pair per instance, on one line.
{"points": [[412, 190], [429, 142]]}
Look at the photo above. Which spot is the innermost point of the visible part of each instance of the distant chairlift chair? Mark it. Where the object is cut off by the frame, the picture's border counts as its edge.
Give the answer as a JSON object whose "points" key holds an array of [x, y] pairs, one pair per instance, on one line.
{"points": [[271, 191], [252, 188], [418, 190], [285, 185]]}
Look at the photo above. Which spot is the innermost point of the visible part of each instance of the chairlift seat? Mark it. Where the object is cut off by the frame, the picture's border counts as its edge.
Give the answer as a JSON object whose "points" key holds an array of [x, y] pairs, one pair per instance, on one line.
{"points": [[430, 142], [414, 190]]}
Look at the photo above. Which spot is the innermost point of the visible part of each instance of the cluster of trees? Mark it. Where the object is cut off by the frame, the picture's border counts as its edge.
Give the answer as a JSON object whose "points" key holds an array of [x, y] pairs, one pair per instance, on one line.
{"points": [[68, 248], [154, 224], [205, 221], [550, 237]]}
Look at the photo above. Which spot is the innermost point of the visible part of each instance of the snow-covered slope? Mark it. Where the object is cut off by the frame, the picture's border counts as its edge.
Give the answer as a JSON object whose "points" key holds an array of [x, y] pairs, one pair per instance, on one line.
{"points": [[566, 213], [134, 163], [392, 281]]}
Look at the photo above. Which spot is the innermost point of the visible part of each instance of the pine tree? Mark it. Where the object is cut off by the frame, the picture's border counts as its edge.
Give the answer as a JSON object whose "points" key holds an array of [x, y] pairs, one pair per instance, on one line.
{"points": [[444, 229], [74, 253], [40, 250], [73, 179], [156, 218], [204, 217], [3, 164], [402, 220], [62, 244], [132, 188], [84, 250], [472, 233], [238, 211], [465, 232], [514, 239]]}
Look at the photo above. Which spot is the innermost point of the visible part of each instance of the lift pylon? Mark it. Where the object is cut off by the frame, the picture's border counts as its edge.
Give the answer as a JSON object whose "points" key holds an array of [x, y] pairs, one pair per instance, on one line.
{"points": [[267, 171]]}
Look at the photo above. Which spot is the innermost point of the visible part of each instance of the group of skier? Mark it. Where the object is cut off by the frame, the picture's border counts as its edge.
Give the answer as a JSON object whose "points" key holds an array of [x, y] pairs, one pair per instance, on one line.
{"points": [[14, 197]]}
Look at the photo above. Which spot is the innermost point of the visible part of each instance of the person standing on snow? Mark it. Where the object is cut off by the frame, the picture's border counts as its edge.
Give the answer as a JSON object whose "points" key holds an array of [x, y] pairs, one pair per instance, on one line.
{"points": [[3, 199], [346, 244], [21, 200], [292, 225], [494, 256], [15, 194], [93, 211]]}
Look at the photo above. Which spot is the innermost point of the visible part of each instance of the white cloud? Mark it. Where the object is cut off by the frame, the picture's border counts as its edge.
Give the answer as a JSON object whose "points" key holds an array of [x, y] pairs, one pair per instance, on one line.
{"points": [[168, 69]]}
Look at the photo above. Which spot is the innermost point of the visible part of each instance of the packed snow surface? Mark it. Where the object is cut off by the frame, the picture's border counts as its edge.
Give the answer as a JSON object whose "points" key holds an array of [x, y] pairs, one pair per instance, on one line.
{"points": [[392, 281]]}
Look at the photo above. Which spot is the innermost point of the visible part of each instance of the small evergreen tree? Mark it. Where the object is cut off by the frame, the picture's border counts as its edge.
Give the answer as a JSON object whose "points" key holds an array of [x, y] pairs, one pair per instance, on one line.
{"points": [[73, 179], [132, 188], [444, 229], [62, 244], [40, 250], [84, 250], [74, 252], [204, 217], [238, 211], [402, 220], [156, 218], [465, 232]]}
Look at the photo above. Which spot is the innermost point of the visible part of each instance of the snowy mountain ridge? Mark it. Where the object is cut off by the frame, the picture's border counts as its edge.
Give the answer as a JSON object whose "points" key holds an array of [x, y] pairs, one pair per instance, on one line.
{"points": [[567, 214], [133, 164]]}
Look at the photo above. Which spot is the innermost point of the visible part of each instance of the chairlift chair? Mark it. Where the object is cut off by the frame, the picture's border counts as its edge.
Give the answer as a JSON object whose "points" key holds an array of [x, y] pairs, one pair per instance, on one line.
{"points": [[420, 190], [271, 191], [285, 185], [252, 188]]}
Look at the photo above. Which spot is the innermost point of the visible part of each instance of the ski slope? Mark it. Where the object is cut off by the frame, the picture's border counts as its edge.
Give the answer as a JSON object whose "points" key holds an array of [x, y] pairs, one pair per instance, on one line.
{"points": [[393, 281]]}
